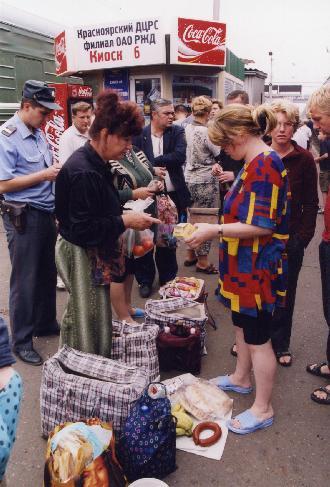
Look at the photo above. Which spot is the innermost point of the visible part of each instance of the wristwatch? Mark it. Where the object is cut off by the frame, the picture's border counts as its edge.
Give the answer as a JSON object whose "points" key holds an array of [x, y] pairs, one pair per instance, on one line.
{"points": [[220, 232]]}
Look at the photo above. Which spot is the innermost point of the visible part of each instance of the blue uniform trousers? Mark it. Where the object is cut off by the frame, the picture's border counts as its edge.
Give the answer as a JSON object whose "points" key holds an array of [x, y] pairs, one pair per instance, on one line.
{"points": [[32, 302]]}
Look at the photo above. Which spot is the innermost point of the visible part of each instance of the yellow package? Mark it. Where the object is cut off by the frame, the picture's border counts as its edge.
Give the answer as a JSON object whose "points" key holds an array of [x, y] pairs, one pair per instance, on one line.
{"points": [[184, 230]]}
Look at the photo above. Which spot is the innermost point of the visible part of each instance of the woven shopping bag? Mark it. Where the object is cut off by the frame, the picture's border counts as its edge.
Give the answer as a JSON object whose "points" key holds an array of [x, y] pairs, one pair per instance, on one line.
{"points": [[136, 345], [189, 288], [77, 386], [166, 312]]}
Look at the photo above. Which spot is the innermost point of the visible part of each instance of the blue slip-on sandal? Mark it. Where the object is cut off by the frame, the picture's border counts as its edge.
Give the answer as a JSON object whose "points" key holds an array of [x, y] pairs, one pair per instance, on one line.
{"points": [[139, 313], [249, 423], [226, 385]]}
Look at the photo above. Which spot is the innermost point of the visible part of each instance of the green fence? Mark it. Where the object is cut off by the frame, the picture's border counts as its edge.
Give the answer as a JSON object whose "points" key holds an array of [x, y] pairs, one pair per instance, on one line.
{"points": [[234, 65]]}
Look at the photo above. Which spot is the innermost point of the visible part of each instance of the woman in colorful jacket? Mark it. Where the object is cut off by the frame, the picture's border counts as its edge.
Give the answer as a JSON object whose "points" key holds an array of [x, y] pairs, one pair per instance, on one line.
{"points": [[253, 234]]}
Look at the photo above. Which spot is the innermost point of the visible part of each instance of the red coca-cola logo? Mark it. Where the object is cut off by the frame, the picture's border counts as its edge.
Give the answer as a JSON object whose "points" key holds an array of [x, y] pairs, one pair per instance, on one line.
{"points": [[202, 39], [201, 42], [85, 91], [60, 54], [80, 91]]}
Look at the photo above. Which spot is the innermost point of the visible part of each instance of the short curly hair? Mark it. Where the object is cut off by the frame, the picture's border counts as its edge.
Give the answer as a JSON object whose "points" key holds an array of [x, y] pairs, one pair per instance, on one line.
{"points": [[289, 109], [201, 105], [123, 118]]}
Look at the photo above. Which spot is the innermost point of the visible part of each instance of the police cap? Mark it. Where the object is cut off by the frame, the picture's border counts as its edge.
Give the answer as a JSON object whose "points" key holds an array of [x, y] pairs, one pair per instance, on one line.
{"points": [[41, 93]]}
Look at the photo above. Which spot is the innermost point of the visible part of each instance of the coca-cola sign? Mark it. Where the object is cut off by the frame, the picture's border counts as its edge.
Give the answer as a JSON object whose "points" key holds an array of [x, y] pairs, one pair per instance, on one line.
{"points": [[57, 122], [80, 91], [60, 54], [54, 129], [201, 42]]}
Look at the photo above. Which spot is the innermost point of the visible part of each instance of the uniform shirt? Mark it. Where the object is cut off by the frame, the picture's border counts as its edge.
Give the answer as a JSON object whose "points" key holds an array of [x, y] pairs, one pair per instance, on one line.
{"points": [[23, 153], [200, 155], [70, 140], [253, 270]]}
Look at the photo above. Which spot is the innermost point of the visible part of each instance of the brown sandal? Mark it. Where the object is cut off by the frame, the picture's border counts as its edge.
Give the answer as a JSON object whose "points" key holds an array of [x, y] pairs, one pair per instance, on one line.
{"points": [[210, 269]]}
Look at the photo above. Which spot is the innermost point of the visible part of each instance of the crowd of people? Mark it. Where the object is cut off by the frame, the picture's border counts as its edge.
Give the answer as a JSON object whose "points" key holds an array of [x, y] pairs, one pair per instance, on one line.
{"points": [[242, 159]]}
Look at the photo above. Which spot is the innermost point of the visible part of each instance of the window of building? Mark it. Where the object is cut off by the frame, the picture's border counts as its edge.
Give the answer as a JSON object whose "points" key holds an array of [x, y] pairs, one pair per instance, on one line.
{"points": [[146, 90], [185, 88]]}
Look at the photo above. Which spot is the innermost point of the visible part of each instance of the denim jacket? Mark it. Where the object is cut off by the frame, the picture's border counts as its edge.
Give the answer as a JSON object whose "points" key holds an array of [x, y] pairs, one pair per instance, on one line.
{"points": [[6, 357]]}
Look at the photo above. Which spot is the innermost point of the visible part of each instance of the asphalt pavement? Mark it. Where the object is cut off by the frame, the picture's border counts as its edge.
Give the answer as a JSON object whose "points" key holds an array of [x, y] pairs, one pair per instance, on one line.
{"points": [[294, 452]]}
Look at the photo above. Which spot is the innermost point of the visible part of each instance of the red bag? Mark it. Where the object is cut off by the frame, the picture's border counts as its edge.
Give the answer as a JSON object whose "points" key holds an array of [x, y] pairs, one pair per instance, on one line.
{"points": [[179, 352], [168, 215]]}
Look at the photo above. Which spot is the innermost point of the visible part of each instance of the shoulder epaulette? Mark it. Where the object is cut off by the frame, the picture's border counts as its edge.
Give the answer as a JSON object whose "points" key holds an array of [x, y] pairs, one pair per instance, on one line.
{"points": [[9, 130]]}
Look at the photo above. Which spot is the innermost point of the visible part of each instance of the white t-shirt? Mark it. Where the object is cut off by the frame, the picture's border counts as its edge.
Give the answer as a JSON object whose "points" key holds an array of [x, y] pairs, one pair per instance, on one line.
{"points": [[70, 141], [302, 136], [158, 148]]}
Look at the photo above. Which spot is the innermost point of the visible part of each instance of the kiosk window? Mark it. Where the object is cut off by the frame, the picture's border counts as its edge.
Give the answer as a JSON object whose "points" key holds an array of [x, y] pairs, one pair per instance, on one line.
{"points": [[185, 88], [147, 89]]}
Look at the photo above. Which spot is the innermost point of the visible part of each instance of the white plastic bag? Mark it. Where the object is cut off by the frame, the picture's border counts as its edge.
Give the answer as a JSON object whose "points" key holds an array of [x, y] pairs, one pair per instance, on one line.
{"points": [[138, 243]]}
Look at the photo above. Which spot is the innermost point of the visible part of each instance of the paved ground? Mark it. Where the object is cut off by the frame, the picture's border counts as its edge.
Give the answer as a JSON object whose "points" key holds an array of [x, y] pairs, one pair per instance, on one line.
{"points": [[293, 453]]}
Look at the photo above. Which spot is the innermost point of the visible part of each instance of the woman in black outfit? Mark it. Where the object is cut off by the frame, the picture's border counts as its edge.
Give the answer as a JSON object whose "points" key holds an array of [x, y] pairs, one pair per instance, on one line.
{"points": [[89, 254]]}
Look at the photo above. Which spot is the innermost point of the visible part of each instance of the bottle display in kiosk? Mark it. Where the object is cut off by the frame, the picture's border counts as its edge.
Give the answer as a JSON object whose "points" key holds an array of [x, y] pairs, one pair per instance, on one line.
{"points": [[66, 95]]}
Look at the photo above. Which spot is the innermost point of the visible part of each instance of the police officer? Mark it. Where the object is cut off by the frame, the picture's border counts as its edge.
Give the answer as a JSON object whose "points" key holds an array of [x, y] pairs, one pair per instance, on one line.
{"points": [[26, 181]]}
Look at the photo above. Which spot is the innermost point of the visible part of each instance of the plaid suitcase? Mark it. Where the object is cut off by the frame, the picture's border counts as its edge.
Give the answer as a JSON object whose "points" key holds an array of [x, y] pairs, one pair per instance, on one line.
{"points": [[136, 345], [78, 386], [166, 312]]}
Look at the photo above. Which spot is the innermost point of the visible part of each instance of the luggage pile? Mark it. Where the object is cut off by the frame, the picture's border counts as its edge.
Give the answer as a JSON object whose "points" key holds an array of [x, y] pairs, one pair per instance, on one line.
{"points": [[121, 395]]}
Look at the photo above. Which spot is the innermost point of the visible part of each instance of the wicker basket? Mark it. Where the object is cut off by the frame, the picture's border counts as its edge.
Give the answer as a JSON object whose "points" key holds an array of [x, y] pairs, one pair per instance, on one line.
{"points": [[203, 215]]}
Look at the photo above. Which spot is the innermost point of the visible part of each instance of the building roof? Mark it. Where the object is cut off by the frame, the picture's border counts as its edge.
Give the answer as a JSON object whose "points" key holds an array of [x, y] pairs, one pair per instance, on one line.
{"points": [[26, 20], [255, 72]]}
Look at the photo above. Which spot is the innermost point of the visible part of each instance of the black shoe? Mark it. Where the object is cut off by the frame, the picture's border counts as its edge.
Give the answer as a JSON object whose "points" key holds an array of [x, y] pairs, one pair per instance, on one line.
{"points": [[54, 331], [233, 351], [29, 356], [145, 291]]}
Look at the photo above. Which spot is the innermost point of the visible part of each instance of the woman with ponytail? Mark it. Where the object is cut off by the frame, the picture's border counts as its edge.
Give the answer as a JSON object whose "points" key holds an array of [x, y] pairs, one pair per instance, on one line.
{"points": [[253, 234], [89, 253]]}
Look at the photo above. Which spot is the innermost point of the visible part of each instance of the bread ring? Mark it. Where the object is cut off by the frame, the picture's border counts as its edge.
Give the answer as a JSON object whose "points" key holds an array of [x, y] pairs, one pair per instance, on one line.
{"points": [[211, 440]]}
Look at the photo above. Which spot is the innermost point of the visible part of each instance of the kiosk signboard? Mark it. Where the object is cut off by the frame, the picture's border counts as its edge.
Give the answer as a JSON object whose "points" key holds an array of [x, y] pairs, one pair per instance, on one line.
{"points": [[110, 46]]}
